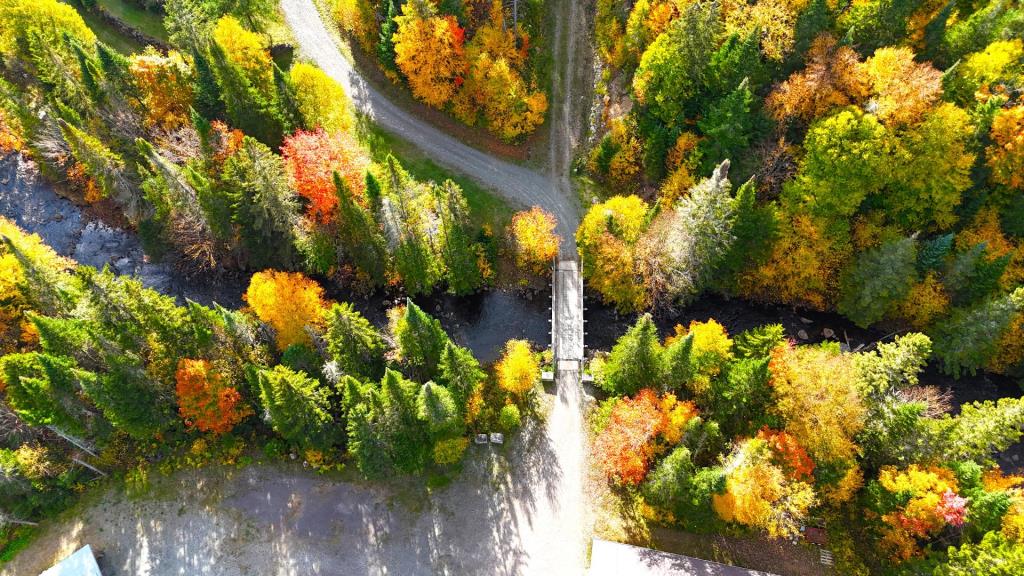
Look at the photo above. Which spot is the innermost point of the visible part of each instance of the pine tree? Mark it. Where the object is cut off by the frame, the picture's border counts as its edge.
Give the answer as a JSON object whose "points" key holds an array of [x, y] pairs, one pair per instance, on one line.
{"points": [[366, 445], [436, 407], [969, 338], [127, 397], [262, 204], [89, 71], [679, 366], [460, 372], [406, 438], [636, 361], [759, 342], [246, 108], [458, 251], [421, 341], [43, 390], [972, 275], [879, 278], [297, 407], [385, 42], [754, 229], [286, 101], [353, 343], [207, 99], [729, 125], [359, 235], [116, 71], [105, 167]]}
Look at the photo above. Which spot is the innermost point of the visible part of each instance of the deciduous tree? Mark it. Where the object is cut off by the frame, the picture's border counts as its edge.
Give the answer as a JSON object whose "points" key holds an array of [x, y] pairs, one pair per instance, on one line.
{"points": [[288, 301]]}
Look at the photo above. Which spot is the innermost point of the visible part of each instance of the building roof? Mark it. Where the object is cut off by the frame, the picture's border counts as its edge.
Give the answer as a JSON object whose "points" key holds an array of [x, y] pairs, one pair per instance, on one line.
{"points": [[81, 563], [615, 559]]}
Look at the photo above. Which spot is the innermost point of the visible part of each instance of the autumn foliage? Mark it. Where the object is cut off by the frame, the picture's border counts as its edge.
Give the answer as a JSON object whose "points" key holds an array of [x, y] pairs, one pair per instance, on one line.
{"points": [[629, 440], [519, 369], [205, 401], [288, 301], [533, 239], [312, 158]]}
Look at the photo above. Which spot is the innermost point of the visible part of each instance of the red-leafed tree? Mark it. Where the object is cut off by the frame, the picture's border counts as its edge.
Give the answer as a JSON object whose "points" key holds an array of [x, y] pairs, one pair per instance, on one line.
{"points": [[312, 158], [205, 401], [625, 446]]}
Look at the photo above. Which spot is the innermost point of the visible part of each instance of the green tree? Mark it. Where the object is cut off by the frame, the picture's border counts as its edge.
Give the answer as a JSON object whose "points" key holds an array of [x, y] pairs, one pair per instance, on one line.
{"points": [[297, 406], [972, 275], [128, 399], [995, 555], [969, 338], [759, 342], [263, 206], [673, 69], [246, 106], [421, 341], [979, 431], [846, 159], [679, 487], [729, 125], [458, 251], [436, 407], [635, 361], [44, 390], [740, 401], [385, 42], [405, 435], [353, 343], [207, 97], [880, 278], [359, 235], [460, 372]]}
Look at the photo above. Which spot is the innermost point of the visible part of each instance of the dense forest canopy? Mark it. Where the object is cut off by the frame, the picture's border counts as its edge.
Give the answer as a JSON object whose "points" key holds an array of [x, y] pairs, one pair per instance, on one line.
{"points": [[873, 153]]}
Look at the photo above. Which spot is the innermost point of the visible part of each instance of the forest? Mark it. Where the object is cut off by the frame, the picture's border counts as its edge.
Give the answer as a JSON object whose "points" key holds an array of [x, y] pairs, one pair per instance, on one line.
{"points": [[867, 159], [862, 159]]}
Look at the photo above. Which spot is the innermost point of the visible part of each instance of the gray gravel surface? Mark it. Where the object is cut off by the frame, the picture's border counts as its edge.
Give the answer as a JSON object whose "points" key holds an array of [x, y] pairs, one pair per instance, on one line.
{"points": [[517, 184]]}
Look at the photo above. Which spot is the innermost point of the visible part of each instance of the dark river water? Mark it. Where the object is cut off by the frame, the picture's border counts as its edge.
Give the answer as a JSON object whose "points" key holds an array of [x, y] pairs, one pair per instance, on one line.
{"points": [[482, 322]]}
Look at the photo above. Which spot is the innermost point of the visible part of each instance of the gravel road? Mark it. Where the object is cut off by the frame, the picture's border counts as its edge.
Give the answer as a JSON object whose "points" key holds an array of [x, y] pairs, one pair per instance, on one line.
{"points": [[517, 184]]}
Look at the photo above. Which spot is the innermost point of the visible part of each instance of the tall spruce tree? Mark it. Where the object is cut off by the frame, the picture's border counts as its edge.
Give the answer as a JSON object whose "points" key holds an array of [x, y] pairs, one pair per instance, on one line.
{"points": [[353, 343], [297, 406], [636, 361], [421, 342], [359, 236]]}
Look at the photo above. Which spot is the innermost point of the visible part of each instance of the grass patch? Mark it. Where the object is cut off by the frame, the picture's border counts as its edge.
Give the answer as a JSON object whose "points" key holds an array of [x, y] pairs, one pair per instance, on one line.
{"points": [[108, 34], [484, 207], [146, 21]]}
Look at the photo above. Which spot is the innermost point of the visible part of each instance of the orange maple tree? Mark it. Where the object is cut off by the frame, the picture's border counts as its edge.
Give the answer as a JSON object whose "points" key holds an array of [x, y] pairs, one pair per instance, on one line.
{"points": [[205, 401], [312, 158], [625, 446]]}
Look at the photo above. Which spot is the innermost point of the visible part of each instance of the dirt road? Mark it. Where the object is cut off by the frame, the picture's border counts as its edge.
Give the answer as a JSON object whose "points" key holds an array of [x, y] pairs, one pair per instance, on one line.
{"points": [[517, 184]]}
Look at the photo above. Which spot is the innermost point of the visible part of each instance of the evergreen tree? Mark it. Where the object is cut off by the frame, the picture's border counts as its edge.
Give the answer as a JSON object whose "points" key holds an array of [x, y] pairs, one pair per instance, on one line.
{"points": [[740, 401], [979, 431], [679, 365], [729, 125], [43, 390], [635, 361], [421, 341], [105, 167], [972, 275], [460, 372], [359, 236], [406, 438], [437, 408], [297, 407], [879, 278], [128, 399], [116, 70], [207, 98], [256, 114], [458, 251], [366, 445], [263, 206], [286, 101], [933, 252], [89, 72], [736, 61], [969, 338], [759, 342], [385, 43], [353, 343]]}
